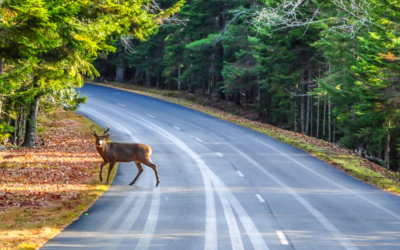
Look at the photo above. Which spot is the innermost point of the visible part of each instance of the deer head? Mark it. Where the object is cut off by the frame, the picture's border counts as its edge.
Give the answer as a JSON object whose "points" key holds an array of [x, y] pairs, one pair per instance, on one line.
{"points": [[100, 139]]}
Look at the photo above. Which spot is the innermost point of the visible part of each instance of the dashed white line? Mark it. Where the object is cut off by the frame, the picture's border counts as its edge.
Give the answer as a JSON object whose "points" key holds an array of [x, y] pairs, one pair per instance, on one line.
{"points": [[177, 127], [220, 154], [151, 116], [260, 198], [240, 173], [120, 104], [198, 139], [282, 238], [344, 241]]}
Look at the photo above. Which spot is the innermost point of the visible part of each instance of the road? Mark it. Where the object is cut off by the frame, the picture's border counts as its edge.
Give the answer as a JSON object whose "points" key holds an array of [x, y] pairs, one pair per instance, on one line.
{"points": [[222, 187]]}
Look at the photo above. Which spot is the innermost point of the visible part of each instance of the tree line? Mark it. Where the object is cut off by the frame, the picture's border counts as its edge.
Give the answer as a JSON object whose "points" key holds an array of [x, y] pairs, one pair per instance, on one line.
{"points": [[325, 68], [47, 47]]}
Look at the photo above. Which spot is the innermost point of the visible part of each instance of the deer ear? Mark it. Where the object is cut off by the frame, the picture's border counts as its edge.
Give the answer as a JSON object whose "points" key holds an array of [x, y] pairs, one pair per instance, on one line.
{"points": [[107, 136]]}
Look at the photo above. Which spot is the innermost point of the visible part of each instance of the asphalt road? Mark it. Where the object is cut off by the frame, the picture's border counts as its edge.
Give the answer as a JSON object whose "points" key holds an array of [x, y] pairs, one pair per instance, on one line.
{"points": [[222, 187]]}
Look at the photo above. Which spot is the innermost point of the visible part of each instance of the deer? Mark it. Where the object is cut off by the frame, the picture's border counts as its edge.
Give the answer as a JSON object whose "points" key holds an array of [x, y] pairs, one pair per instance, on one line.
{"points": [[122, 152]]}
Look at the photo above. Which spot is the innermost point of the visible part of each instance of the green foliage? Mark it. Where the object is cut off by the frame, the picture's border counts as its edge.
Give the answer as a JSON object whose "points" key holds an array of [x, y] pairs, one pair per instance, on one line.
{"points": [[328, 69], [47, 48]]}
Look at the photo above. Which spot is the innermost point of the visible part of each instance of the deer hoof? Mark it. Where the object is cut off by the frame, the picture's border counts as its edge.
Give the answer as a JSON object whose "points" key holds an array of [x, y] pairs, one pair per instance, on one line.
{"points": [[158, 184], [106, 183], [131, 183]]}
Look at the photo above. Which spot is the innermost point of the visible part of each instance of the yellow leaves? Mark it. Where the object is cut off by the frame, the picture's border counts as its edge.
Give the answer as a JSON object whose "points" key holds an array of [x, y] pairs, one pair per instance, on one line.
{"points": [[389, 56]]}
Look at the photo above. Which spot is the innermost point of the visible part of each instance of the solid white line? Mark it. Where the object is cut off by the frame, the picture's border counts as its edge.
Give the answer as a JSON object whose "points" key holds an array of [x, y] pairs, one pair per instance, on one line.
{"points": [[152, 218], [282, 238], [120, 104], [240, 173], [334, 183], [251, 230], [177, 127], [236, 239], [211, 233], [260, 198], [198, 139], [151, 116], [220, 154], [346, 243]]}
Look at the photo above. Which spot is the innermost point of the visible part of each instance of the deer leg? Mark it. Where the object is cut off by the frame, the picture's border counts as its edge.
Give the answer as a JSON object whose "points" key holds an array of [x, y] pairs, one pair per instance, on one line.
{"points": [[154, 167], [101, 170], [140, 170], [110, 167]]}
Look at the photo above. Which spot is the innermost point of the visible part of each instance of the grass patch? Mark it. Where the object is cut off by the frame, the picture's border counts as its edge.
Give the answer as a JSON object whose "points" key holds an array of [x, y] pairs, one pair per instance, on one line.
{"points": [[341, 158]]}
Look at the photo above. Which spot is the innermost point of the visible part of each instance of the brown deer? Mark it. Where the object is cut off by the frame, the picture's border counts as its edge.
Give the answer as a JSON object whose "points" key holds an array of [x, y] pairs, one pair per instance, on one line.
{"points": [[122, 152]]}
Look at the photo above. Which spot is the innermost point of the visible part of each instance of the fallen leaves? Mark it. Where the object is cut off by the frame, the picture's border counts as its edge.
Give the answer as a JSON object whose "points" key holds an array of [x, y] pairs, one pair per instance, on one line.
{"points": [[59, 170], [43, 189]]}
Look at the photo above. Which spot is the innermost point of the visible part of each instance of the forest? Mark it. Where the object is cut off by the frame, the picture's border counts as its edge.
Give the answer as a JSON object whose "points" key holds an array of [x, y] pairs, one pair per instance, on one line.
{"points": [[325, 68]]}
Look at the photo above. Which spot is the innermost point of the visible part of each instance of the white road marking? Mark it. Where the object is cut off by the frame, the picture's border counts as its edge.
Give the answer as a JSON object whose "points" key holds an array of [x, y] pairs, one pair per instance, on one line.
{"points": [[118, 212], [240, 173], [120, 104], [251, 230], [346, 243], [282, 238], [128, 221], [151, 116], [152, 218], [220, 154], [198, 139], [260, 198], [177, 127], [112, 123], [236, 239], [334, 183], [211, 242]]}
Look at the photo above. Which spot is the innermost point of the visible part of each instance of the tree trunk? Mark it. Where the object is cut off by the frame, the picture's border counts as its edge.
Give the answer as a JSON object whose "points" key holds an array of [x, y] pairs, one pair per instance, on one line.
{"points": [[237, 98], [329, 120], [387, 148], [138, 71], [220, 56], [2, 62], [158, 80], [323, 124], [334, 132], [120, 75], [318, 117], [295, 115], [210, 74], [179, 76], [148, 78], [245, 99], [19, 126], [15, 122], [31, 124], [308, 116], [302, 114], [311, 100]]}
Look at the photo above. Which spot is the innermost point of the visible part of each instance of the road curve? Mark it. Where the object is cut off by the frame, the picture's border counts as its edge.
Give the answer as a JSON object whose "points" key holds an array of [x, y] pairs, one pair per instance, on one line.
{"points": [[222, 187]]}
